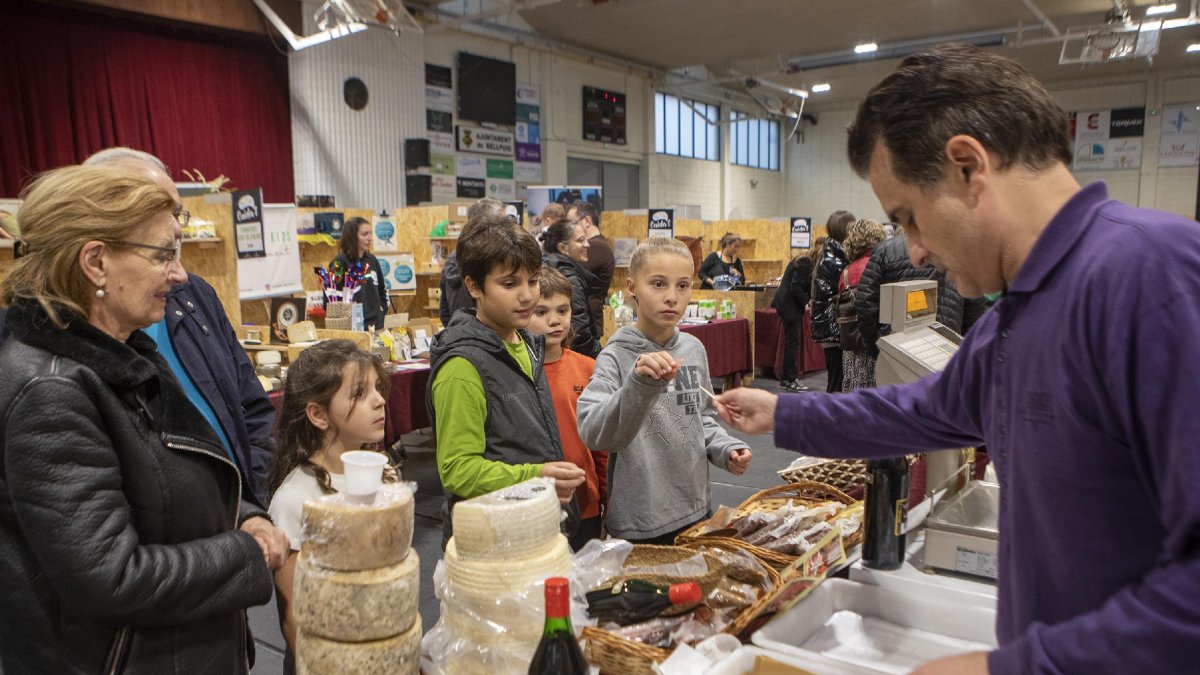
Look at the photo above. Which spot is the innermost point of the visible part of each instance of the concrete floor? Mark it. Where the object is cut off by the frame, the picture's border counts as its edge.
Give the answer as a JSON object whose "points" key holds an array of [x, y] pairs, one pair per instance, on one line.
{"points": [[727, 489]]}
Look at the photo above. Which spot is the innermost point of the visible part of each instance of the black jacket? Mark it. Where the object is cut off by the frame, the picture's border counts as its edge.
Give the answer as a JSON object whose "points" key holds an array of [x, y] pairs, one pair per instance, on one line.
{"points": [[373, 296], [118, 512], [587, 338], [209, 350], [521, 427], [454, 292], [890, 263], [794, 290], [825, 292]]}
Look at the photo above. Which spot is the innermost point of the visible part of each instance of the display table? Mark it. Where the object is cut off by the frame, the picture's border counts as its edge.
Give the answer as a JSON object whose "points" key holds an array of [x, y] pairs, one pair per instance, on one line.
{"points": [[769, 341], [405, 404], [727, 342]]}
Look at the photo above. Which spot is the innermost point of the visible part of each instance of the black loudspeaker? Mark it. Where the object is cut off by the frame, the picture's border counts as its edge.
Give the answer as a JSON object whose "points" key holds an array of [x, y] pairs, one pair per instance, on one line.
{"points": [[417, 189], [416, 153]]}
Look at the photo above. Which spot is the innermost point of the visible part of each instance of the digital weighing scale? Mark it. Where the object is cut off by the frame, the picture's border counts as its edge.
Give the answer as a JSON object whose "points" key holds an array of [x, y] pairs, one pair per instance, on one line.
{"points": [[962, 534]]}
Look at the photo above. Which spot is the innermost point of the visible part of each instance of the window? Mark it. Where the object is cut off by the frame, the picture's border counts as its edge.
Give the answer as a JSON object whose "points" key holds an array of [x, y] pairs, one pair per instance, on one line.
{"points": [[686, 128], [753, 142]]}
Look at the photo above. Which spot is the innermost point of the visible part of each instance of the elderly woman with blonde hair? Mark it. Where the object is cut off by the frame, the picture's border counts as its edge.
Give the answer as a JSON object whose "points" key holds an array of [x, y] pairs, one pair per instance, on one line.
{"points": [[125, 541], [858, 363]]}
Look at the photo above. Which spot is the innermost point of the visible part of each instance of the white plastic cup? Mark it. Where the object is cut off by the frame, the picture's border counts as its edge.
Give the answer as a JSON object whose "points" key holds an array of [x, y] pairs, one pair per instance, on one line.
{"points": [[364, 474]]}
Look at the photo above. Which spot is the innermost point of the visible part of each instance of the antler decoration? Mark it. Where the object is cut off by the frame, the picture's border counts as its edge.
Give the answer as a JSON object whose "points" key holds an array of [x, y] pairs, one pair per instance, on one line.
{"points": [[215, 185]]}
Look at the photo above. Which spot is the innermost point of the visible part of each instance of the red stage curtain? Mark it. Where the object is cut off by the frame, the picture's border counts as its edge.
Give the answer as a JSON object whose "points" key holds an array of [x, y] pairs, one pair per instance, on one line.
{"points": [[73, 82]]}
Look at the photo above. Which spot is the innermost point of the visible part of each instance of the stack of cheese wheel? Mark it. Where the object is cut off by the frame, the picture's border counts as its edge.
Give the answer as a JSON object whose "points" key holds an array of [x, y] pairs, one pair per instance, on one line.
{"points": [[505, 545], [356, 589]]}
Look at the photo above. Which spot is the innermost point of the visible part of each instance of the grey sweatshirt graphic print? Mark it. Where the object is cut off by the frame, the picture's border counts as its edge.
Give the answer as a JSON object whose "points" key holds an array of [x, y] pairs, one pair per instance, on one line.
{"points": [[658, 435]]}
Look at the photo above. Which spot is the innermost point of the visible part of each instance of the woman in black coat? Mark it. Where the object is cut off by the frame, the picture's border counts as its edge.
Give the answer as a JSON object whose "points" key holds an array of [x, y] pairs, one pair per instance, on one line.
{"points": [[126, 544], [824, 296], [354, 248], [566, 247], [791, 298]]}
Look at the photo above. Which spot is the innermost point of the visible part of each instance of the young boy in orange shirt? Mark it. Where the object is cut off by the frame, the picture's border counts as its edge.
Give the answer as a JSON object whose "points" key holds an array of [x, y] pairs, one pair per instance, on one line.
{"points": [[568, 373]]}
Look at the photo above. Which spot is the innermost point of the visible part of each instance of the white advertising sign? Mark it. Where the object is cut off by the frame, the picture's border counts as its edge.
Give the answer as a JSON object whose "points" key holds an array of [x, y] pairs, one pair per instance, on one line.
{"points": [[278, 272], [471, 167], [1179, 144]]}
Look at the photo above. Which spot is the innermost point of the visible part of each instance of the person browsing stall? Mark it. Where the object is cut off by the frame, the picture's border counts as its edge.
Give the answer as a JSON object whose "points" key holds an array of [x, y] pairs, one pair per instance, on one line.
{"points": [[600, 261], [646, 406], [826, 276], [568, 373], [492, 412], [126, 538], [354, 253], [454, 295], [566, 247], [333, 402], [199, 344], [723, 262], [1082, 383], [791, 299]]}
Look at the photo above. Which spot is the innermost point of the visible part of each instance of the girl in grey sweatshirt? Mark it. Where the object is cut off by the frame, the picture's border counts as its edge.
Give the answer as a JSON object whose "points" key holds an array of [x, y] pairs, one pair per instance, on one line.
{"points": [[651, 415]]}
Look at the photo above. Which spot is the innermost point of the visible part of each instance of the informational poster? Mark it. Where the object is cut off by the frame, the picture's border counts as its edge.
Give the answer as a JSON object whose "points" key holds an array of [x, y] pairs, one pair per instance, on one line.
{"points": [[1106, 140], [330, 223], [1179, 144], [801, 232], [383, 234], [485, 141], [278, 271], [529, 122], [397, 272], [661, 223], [247, 223]]}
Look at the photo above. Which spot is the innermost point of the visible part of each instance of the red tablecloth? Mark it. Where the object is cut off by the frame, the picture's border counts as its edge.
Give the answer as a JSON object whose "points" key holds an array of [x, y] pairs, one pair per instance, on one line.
{"points": [[769, 341], [405, 404], [728, 345]]}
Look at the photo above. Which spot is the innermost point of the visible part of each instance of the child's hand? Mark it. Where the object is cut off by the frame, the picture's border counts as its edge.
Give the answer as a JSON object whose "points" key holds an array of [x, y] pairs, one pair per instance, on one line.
{"points": [[657, 366], [739, 461], [566, 477]]}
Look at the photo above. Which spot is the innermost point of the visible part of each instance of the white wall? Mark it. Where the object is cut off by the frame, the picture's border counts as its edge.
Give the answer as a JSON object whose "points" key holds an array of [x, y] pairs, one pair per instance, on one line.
{"points": [[357, 156], [820, 180]]}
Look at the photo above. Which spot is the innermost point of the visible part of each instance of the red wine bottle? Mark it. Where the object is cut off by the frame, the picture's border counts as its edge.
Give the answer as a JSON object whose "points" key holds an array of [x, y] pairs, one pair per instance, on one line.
{"points": [[886, 507], [636, 600], [558, 652]]}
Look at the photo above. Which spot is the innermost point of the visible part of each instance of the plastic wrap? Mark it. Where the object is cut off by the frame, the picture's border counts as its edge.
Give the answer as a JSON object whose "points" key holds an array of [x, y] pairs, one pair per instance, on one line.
{"points": [[356, 606], [478, 581], [339, 534], [694, 566], [509, 523]]}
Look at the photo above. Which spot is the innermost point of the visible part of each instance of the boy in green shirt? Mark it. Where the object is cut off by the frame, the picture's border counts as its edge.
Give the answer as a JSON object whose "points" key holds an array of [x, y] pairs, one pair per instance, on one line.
{"points": [[488, 399]]}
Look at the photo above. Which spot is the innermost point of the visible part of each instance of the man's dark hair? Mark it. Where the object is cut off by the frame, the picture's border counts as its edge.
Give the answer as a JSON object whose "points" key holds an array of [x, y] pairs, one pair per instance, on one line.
{"points": [[586, 210], [958, 89], [494, 240]]}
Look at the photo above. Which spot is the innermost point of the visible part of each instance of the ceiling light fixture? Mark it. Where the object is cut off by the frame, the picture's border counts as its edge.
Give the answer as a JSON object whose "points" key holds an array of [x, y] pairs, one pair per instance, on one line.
{"points": [[820, 88], [1193, 48], [1155, 10], [865, 48]]}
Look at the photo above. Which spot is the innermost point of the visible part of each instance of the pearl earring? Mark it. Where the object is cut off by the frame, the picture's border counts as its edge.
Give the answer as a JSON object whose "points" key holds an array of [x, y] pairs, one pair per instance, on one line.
{"points": [[99, 292]]}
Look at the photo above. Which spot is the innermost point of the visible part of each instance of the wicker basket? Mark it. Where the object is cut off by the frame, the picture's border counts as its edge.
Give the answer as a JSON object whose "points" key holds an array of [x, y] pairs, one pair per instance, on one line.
{"points": [[843, 474], [773, 499], [619, 656]]}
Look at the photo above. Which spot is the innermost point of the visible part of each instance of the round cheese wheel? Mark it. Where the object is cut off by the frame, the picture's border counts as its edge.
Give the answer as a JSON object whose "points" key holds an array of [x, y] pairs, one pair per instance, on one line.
{"points": [[512, 522], [338, 534], [398, 655], [504, 576], [356, 606]]}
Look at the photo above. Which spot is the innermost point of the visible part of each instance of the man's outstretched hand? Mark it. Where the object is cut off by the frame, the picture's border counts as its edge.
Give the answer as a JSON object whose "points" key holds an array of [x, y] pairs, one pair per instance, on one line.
{"points": [[750, 411]]}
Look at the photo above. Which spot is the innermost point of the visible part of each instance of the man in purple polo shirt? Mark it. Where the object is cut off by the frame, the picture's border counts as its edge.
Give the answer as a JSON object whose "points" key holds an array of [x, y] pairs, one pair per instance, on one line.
{"points": [[1083, 379]]}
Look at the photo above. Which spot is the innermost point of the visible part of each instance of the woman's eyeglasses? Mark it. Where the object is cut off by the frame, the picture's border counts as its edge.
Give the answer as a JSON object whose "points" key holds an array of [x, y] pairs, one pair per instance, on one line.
{"points": [[165, 256], [181, 215]]}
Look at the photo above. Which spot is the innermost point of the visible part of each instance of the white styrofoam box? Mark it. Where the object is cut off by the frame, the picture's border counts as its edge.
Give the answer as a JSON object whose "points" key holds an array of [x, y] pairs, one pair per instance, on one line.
{"points": [[909, 628], [741, 662]]}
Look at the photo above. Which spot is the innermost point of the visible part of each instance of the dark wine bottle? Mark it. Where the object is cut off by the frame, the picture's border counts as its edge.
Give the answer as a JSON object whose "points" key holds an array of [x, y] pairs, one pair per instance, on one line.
{"points": [[886, 508], [636, 600], [558, 652]]}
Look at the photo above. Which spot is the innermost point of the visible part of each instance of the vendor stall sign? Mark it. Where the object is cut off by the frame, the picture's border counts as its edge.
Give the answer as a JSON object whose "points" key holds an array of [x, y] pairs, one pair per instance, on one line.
{"points": [[247, 223], [661, 222], [277, 271], [485, 141], [802, 232]]}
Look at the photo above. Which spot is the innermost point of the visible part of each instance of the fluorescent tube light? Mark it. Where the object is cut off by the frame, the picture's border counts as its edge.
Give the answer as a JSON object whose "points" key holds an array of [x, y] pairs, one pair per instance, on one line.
{"points": [[1154, 10], [866, 48], [820, 88]]}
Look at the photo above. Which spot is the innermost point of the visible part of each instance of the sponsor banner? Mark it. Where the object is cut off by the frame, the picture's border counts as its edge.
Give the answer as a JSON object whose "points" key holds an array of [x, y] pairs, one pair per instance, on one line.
{"points": [[504, 190], [528, 172], [500, 168], [1107, 140], [527, 152], [802, 232], [486, 141], [1179, 143], [437, 98], [438, 76], [471, 188], [439, 121], [1127, 123], [661, 222], [441, 165], [529, 94], [529, 113], [441, 143], [471, 167], [443, 189]]}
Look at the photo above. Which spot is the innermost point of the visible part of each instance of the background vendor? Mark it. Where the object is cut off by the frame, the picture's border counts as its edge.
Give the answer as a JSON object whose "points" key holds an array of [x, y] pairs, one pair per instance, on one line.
{"points": [[724, 261]]}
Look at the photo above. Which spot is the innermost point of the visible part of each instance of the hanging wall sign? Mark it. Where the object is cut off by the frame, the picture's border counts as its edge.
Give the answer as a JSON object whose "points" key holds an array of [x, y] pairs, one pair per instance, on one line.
{"points": [[277, 272], [662, 223], [247, 223], [801, 232], [383, 234], [485, 141]]}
